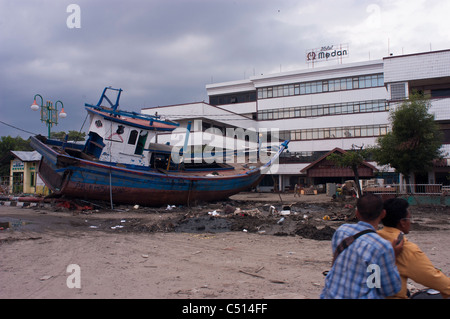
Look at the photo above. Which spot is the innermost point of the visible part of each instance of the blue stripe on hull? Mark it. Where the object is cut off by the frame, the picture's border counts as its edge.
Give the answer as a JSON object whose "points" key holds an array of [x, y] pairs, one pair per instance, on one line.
{"points": [[160, 182], [96, 180]]}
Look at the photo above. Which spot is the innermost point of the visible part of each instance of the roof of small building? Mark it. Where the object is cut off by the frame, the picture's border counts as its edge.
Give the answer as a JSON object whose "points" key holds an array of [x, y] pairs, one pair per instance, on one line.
{"points": [[33, 156]]}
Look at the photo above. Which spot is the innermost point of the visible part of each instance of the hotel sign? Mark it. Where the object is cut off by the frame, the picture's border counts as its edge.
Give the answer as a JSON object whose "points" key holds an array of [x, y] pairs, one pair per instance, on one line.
{"points": [[327, 53]]}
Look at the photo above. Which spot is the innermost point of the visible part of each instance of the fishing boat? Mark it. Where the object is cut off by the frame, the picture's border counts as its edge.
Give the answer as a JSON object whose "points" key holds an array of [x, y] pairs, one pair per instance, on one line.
{"points": [[121, 162]]}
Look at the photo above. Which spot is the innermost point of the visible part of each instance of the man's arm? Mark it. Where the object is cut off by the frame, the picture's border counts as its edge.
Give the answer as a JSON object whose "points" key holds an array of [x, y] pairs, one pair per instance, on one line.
{"points": [[421, 270]]}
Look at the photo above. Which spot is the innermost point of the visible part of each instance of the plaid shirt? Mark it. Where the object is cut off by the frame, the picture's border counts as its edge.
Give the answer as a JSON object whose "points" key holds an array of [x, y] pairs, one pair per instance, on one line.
{"points": [[348, 278]]}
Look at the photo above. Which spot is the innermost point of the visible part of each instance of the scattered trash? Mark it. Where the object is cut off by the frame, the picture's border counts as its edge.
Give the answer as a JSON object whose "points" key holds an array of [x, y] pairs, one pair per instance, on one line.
{"points": [[249, 212], [73, 205], [286, 210], [4, 225], [229, 209], [251, 274], [272, 210], [214, 213], [203, 224], [46, 277], [260, 218]]}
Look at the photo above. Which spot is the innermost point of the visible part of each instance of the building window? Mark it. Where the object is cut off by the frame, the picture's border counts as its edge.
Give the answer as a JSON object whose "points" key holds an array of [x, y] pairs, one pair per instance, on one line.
{"points": [[439, 93], [324, 109], [335, 132], [342, 84], [398, 91], [241, 97]]}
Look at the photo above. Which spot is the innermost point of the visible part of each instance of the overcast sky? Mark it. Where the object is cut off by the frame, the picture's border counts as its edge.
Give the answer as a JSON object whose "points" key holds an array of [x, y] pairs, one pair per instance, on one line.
{"points": [[164, 52]]}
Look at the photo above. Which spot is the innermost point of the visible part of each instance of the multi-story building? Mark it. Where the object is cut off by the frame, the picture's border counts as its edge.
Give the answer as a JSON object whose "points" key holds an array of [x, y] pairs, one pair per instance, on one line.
{"points": [[429, 73], [321, 110]]}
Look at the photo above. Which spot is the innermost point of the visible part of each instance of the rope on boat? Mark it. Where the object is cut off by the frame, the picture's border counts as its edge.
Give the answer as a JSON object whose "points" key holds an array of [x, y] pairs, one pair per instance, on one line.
{"points": [[110, 170]]}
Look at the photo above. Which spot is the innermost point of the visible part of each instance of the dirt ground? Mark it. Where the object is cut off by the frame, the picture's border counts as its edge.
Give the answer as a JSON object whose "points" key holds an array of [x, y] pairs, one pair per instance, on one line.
{"points": [[240, 248]]}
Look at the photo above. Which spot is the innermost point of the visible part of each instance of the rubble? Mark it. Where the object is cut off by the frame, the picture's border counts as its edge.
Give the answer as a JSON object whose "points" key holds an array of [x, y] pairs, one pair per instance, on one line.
{"points": [[261, 218], [313, 220]]}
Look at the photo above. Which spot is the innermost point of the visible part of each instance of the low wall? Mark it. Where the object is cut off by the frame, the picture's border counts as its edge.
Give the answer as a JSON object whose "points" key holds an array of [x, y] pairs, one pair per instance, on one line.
{"points": [[418, 199], [427, 199]]}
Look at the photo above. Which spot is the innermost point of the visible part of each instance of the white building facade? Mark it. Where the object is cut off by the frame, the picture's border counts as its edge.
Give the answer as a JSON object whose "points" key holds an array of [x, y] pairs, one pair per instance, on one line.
{"points": [[343, 106]]}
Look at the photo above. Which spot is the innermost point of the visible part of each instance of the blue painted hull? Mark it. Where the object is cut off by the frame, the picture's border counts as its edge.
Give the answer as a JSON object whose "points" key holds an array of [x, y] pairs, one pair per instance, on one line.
{"points": [[91, 180]]}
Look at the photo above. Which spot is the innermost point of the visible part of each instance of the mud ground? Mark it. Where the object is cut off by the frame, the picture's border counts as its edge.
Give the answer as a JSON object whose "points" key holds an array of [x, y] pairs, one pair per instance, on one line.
{"points": [[254, 245]]}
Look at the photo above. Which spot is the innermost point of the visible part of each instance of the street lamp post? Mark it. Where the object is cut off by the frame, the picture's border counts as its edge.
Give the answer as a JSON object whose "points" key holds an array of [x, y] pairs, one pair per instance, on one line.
{"points": [[49, 112]]}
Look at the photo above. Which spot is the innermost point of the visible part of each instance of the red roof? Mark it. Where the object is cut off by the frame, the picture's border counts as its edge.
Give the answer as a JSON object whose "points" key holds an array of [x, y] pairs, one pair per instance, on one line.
{"points": [[324, 168]]}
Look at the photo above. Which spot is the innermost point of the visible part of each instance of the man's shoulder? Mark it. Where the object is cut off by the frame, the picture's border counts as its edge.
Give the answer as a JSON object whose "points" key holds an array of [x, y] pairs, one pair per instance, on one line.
{"points": [[411, 247], [348, 227], [346, 230], [352, 229]]}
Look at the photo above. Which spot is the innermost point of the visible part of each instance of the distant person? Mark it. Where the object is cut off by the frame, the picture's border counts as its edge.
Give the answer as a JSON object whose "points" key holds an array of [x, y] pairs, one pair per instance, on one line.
{"points": [[412, 262], [297, 190], [351, 274]]}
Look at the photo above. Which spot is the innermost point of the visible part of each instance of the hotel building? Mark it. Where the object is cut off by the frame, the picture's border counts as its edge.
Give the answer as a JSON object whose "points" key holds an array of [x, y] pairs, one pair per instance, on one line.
{"points": [[323, 110]]}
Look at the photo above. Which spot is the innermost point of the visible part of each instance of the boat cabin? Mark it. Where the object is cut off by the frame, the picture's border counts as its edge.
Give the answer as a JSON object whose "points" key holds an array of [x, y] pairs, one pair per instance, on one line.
{"points": [[122, 137]]}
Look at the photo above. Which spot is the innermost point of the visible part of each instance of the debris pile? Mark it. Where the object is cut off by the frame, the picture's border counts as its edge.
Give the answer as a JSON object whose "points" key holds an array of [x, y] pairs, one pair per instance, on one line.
{"points": [[312, 232], [313, 221]]}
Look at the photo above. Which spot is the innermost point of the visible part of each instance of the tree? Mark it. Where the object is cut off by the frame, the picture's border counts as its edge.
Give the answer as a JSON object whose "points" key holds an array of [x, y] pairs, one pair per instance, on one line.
{"points": [[58, 135], [8, 143], [73, 136], [352, 159], [414, 140]]}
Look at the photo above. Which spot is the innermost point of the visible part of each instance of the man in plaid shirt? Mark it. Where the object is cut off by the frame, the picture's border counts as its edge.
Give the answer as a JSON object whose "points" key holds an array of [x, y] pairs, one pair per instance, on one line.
{"points": [[366, 268]]}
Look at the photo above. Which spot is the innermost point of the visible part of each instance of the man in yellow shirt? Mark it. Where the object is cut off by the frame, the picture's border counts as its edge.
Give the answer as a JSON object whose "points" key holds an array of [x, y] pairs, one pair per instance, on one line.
{"points": [[411, 262]]}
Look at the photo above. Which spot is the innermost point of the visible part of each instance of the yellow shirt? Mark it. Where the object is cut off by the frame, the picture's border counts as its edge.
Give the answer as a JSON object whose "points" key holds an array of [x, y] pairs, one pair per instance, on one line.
{"points": [[413, 263]]}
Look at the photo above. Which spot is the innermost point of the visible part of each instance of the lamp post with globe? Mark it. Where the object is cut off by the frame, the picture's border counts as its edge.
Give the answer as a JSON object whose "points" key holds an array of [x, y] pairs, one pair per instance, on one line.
{"points": [[49, 112]]}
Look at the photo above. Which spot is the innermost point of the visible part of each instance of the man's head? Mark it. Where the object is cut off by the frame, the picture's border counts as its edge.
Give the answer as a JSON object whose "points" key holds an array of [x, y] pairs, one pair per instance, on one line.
{"points": [[369, 208], [397, 214]]}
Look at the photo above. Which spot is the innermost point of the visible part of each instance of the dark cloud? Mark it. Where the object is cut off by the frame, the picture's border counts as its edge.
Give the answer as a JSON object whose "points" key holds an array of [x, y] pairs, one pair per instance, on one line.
{"points": [[160, 52]]}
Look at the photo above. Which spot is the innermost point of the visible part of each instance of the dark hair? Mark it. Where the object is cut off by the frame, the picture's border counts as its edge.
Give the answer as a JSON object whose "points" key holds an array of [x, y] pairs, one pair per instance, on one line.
{"points": [[369, 206], [396, 209]]}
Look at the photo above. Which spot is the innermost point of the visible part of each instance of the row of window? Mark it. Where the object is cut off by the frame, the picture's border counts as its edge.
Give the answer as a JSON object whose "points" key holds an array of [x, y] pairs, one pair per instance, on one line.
{"points": [[334, 132], [350, 83], [325, 109], [241, 97]]}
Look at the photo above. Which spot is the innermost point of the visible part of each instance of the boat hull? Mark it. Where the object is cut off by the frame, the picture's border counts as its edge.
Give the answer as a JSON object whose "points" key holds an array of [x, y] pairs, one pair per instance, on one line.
{"points": [[90, 180]]}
